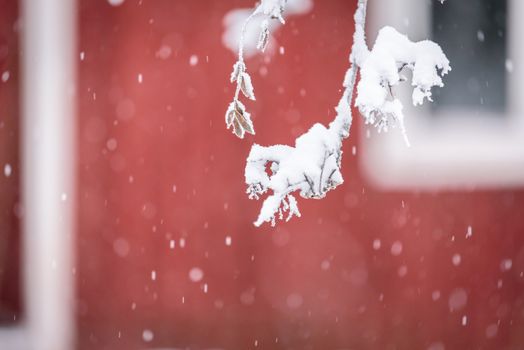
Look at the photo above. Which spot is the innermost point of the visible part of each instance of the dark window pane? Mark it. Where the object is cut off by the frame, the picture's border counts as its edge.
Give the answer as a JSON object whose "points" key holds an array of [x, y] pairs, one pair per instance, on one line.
{"points": [[472, 33]]}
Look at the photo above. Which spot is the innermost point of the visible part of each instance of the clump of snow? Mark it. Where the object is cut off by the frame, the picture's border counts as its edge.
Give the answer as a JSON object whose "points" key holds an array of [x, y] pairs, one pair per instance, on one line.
{"points": [[312, 168], [381, 69]]}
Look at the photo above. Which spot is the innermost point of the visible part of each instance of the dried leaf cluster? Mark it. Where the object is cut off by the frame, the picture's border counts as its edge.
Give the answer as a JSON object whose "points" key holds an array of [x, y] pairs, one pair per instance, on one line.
{"points": [[237, 117]]}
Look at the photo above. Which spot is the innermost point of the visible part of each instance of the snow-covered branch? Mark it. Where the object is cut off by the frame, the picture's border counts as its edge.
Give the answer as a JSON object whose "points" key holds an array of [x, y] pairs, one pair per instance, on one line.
{"points": [[236, 115], [312, 166], [381, 70]]}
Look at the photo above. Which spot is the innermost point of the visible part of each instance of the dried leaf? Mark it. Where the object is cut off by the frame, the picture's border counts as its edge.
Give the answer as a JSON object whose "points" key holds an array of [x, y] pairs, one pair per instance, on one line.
{"points": [[245, 122], [246, 86], [239, 119], [237, 129], [238, 68]]}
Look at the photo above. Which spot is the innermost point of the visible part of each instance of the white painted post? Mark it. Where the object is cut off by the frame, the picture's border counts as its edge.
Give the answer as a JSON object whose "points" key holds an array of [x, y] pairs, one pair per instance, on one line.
{"points": [[48, 170]]}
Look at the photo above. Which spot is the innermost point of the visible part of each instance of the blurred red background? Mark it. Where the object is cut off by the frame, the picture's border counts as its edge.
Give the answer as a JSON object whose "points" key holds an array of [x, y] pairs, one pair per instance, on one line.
{"points": [[156, 164], [361, 269]]}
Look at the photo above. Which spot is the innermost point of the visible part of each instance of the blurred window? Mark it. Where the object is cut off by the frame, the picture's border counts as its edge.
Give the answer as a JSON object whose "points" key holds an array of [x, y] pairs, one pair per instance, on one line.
{"points": [[476, 119], [473, 36]]}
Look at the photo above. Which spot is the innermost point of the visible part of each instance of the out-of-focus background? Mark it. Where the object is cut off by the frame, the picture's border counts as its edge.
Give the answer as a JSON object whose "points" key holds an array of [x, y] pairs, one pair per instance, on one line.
{"points": [[165, 253]]}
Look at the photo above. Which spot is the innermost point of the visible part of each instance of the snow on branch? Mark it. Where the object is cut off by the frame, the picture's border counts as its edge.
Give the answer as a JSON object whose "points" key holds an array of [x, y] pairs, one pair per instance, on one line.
{"points": [[237, 117], [312, 166], [381, 70]]}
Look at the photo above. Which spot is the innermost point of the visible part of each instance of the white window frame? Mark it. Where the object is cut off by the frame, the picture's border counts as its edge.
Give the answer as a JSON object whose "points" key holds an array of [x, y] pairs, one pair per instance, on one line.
{"points": [[455, 149], [48, 72]]}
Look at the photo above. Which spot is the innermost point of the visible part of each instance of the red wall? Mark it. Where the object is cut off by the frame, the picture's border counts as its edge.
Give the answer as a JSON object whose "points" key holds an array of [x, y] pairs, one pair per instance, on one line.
{"points": [[313, 283], [10, 298]]}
